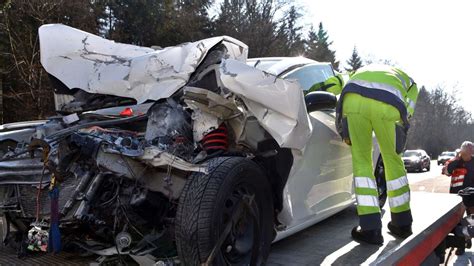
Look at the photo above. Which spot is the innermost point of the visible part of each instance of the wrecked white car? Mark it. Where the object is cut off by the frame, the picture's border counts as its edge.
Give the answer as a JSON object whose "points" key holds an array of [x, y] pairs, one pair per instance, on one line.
{"points": [[190, 152]]}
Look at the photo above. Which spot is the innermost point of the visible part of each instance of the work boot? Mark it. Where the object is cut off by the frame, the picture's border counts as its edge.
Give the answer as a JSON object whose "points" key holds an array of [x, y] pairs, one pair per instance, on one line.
{"points": [[368, 236], [400, 231]]}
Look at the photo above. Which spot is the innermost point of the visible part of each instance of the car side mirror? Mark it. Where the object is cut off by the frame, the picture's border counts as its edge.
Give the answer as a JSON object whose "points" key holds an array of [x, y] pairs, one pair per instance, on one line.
{"points": [[320, 100]]}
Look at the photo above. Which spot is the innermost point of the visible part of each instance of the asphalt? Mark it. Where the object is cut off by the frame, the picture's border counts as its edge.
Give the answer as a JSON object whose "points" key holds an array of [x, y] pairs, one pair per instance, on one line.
{"points": [[315, 245]]}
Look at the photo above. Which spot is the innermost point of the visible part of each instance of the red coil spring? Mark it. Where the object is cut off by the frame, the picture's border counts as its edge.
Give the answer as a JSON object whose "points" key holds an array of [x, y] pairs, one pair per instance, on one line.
{"points": [[216, 140]]}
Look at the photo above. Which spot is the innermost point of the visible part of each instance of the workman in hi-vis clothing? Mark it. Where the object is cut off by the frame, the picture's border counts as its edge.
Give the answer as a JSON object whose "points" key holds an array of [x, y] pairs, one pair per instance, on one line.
{"points": [[380, 99]]}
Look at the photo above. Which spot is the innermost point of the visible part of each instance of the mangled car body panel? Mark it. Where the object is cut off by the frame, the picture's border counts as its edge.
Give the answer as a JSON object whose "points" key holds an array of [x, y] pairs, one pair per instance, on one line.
{"points": [[277, 104], [96, 65]]}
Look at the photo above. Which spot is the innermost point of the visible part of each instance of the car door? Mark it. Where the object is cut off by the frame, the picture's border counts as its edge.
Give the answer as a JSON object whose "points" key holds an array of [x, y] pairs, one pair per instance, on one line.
{"points": [[320, 182]]}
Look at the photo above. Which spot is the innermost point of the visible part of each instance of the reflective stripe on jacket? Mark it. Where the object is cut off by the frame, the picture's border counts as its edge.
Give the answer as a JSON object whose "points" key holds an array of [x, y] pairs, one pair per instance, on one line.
{"points": [[460, 171], [389, 79], [383, 83], [457, 178]]}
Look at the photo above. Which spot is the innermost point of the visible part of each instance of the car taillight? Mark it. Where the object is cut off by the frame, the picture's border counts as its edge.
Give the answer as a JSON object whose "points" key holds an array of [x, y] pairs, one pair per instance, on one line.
{"points": [[127, 112]]}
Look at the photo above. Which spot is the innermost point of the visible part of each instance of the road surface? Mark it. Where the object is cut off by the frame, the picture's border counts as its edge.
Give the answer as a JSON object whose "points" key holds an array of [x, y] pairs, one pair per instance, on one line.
{"points": [[431, 181]]}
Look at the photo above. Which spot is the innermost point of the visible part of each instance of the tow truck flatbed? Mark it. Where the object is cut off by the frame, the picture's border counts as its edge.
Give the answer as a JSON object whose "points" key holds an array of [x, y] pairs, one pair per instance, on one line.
{"points": [[329, 242]]}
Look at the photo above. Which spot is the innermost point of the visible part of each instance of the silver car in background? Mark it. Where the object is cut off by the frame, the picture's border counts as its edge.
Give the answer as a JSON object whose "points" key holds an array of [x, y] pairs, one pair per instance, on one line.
{"points": [[446, 156]]}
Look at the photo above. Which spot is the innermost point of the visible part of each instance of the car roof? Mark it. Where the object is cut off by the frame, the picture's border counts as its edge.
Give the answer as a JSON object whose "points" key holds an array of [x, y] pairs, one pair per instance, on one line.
{"points": [[279, 65]]}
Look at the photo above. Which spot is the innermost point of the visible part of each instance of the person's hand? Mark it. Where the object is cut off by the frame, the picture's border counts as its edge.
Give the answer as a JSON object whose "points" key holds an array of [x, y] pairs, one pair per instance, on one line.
{"points": [[444, 171]]}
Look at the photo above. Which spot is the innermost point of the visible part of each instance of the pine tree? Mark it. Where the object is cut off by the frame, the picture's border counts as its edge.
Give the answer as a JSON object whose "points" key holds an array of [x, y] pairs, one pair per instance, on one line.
{"points": [[294, 42], [27, 94], [255, 24], [355, 62], [163, 23], [318, 46]]}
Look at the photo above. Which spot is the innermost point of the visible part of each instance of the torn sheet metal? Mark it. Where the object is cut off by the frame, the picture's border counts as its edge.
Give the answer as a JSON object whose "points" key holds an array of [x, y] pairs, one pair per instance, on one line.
{"points": [[156, 157], [277, 104], [203, 124], [210, 102], [150, 177], [96, 65], [209, 110]]}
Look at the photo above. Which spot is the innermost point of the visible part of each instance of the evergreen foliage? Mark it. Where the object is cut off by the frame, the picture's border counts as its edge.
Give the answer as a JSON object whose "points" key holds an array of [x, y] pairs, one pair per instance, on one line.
{"points": [[318, 46], [355, 62]]}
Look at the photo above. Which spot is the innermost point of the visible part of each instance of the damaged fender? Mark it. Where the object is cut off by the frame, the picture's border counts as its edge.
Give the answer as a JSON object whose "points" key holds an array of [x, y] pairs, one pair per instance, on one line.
{"points": [[277, 104]]}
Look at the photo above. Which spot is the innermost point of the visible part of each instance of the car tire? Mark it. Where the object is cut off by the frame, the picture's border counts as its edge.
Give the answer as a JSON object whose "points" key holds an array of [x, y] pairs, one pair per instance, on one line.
{"points": [[207, 204], [381, 182], [428, 168]]}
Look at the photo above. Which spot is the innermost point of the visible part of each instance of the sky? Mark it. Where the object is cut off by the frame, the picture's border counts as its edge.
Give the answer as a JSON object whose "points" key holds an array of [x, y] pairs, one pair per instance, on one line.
{"points": [[433, 41]]}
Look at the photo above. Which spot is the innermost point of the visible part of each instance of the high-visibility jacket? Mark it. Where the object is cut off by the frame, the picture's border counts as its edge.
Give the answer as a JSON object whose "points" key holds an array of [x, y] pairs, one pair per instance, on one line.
{"points": [[458, 174], [387, 84], [457, 180], [333, 84], [457, 177], [383, 83]]}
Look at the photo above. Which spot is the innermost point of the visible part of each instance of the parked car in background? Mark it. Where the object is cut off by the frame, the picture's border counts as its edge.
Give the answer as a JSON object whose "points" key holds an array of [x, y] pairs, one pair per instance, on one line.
{"points": [[416, 160], [445, 156]]}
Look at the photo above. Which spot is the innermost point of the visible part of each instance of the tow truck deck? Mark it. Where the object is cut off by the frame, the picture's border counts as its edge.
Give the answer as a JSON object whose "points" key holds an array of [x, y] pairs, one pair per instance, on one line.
{"points": [[329, 242]]}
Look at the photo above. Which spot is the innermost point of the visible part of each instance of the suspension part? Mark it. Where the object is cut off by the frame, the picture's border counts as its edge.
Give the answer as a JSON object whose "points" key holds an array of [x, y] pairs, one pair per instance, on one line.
{"points": [[216, 140]]}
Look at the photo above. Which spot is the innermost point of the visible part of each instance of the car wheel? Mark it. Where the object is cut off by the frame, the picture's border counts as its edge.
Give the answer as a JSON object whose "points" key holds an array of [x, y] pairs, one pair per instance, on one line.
{"points": [[381, 182], [228, 213]]}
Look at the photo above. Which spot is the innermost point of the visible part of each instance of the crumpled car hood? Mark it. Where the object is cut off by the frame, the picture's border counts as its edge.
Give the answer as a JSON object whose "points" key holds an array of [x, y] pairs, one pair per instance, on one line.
{"points": [[96, 65]]}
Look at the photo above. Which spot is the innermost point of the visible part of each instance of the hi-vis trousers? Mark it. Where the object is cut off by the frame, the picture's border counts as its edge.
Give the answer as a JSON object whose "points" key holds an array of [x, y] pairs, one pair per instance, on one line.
{"points": [[364, 116]]}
